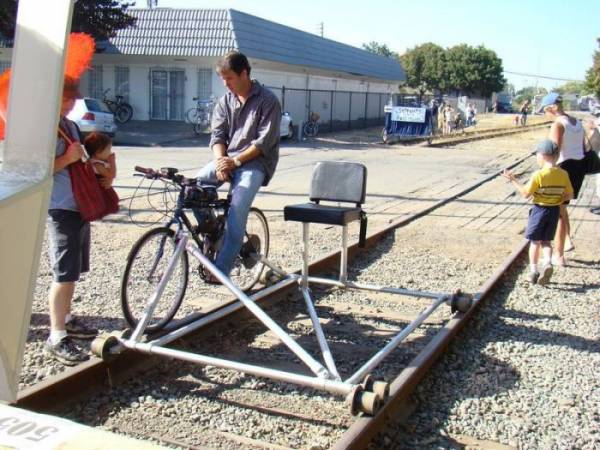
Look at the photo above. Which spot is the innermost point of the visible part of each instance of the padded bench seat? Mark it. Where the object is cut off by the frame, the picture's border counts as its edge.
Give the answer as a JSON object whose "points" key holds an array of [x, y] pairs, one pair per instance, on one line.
{"points": [[315, 213]]}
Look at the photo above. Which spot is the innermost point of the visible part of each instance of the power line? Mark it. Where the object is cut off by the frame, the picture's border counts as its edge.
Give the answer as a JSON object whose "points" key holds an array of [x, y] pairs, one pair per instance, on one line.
{"points": [[534, 75]]}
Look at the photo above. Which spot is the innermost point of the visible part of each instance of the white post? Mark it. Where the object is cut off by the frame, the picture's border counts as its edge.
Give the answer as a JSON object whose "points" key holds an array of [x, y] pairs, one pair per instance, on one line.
{"points": [[305, 242], [26, 173], [344, 255]]}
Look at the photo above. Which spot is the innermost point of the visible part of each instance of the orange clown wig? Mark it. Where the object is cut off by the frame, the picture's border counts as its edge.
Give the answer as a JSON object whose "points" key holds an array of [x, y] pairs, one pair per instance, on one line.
{"points": [[80, 50]]}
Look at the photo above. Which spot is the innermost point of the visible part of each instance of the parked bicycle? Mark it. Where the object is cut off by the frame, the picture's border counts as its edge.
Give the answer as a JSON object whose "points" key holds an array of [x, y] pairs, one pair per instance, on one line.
{"points": [[200, 115], [150, 256], [122, 110], [311, 128]]}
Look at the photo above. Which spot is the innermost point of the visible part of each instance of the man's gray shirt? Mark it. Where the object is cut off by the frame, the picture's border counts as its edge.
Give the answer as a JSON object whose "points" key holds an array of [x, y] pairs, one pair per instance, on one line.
{"points": [[255, 122]]}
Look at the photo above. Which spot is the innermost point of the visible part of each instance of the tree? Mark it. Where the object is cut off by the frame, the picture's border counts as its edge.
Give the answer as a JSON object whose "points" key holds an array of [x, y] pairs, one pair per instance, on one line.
{"points": [[528, 92], [425, 67], [474, 70], [510, 88], [380, 49], [571, 87], [99, 18], [592, 79]]}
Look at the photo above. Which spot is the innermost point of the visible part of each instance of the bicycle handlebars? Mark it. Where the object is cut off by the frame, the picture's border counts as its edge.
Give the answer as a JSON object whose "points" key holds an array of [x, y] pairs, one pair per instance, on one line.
{"points": [[169, 173]]}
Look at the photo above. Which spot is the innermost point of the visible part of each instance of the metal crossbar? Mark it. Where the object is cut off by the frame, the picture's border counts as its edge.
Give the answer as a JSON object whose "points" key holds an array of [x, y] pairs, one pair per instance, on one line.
{"points": [[326, 377]]}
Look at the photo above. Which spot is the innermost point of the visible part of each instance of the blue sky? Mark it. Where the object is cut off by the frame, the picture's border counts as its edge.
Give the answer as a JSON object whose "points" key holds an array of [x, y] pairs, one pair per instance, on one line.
{"points": [[555, 38]]}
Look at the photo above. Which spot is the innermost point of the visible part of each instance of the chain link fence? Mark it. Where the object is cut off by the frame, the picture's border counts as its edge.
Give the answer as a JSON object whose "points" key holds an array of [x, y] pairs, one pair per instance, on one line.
{"points": [[337, 110]]}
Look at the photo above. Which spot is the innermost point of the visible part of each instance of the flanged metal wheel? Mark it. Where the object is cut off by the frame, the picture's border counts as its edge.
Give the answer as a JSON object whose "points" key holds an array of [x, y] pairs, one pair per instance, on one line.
{"points": [[103, 347], [381, 388], [269, 277], [459, 301], [363, 401]]}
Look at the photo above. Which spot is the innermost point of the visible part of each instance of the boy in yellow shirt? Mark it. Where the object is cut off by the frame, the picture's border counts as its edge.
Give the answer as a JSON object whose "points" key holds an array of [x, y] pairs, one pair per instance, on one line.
{"points": [[550, 187]]}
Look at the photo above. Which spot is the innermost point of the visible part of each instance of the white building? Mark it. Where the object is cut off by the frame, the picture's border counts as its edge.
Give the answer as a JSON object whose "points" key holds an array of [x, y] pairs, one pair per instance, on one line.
{"points": [[168, 58]]}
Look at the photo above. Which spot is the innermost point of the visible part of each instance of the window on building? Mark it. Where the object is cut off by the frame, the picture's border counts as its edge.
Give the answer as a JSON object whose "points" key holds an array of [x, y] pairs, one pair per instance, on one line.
{"points": [[4, 65], [122, 82], [95, 87], [204, 83]]}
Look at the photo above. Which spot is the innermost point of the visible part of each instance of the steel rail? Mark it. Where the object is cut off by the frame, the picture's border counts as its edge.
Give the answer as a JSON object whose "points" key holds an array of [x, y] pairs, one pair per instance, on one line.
{"points": [[467, 136], [364, 428], [485, 134]]}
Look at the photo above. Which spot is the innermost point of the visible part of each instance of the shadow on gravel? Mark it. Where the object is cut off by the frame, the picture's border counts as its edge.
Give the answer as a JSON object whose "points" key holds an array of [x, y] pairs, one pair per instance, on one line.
{"points": [[575, 287], [583, 262], [471, 354], [468, 369]]}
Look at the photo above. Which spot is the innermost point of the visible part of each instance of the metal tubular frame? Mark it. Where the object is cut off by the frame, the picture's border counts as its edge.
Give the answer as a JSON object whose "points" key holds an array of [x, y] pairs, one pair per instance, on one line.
{"points": [[326, 378]]}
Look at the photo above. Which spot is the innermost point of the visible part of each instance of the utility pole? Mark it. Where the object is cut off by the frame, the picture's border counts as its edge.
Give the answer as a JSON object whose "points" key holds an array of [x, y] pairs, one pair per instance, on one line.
{"points": [[320, 27]]}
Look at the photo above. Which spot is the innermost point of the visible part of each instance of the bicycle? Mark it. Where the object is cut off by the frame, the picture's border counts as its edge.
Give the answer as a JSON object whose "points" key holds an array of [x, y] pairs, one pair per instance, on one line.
{"points": [[122, 110], [200, 116], [311, 128], [151, 255]]}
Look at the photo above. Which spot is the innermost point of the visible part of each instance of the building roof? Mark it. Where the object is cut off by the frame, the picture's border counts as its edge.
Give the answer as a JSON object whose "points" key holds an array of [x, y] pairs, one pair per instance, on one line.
{"points": [[213, 32]]}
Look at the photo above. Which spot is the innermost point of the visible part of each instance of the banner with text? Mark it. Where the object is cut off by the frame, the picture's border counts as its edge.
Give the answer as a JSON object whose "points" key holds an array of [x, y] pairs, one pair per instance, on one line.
{"points": [[408, 114]]}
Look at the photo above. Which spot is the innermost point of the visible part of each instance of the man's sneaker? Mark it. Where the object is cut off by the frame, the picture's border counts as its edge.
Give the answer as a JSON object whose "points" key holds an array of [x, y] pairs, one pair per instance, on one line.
{"points": [[533, 277], [545, 275], [66, 351], [76, 329]]}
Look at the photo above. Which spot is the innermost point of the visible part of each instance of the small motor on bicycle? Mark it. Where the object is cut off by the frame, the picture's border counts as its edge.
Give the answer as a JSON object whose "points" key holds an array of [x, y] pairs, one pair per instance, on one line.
{"points": [[204, 201], [199, 196]]}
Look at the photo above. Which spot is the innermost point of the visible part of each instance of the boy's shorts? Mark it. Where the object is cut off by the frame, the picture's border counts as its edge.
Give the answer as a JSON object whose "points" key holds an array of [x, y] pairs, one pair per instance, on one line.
{"points": [[69, 237], [542, 223]]}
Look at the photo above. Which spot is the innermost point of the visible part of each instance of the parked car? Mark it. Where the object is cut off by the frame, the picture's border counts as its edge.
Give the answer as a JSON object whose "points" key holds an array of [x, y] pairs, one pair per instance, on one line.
{"points": [[504, 108], [286, 129], [89, 114]]}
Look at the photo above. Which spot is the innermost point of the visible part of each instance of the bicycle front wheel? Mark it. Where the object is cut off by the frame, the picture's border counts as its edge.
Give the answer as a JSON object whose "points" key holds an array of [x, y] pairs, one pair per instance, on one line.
{"points": [[191, 115], [146, 263], [247, 267], [124, 113], [202, 125], [309, 129]]}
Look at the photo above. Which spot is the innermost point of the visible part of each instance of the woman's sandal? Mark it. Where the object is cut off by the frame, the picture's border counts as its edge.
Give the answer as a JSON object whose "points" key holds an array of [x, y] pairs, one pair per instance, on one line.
{"points": [[559, 261], [570, 247]]}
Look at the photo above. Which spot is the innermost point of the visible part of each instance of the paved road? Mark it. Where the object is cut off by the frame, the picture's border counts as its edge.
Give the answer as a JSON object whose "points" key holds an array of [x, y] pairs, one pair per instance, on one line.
{"points": [[401, 179]]}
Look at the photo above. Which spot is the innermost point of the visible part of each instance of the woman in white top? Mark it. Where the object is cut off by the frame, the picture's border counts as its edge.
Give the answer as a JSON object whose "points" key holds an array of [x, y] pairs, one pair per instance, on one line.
{"points": [[567, 132]]}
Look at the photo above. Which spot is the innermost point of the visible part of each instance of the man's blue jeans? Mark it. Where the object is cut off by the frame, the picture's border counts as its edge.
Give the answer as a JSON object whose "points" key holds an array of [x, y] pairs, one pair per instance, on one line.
{"points": [[245, 183]]}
